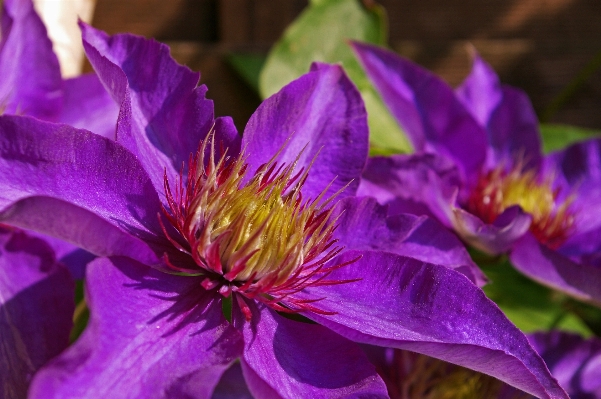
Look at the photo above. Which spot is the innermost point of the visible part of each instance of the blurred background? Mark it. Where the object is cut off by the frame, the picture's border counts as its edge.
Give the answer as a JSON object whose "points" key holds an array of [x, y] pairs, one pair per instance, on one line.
{"points": [[549, 48]]}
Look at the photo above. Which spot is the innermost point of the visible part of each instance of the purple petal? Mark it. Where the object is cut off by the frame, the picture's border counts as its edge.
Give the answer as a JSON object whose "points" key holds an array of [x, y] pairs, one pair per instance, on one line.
{"points": [[95, 184], [505, 112], [76, 261], [323, 116], [228, 135], [577, 170], [426, 184], [555, 270], [579, 166], [31, 82], [149, 333], [163, 115], [513, 131], [495, 238], [71, 223], [481, 91], [430, 309], [426, 107], [87, 105], [364, 225], [573, 360], [295, 359], [36, 309], [425, 179]]}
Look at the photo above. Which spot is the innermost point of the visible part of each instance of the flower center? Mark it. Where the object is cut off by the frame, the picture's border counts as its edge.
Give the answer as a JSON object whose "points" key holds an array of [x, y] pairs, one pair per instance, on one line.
{"points": [[250, 234], [498, 189]]}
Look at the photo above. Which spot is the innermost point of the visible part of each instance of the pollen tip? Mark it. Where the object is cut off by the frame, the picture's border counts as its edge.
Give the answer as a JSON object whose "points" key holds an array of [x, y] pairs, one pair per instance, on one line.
{"points": [[253, 235]]}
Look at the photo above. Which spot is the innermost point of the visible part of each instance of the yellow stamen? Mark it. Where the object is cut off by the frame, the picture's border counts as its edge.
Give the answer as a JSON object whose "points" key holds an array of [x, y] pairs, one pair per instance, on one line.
{"points": [[500, 189], [260, 224], [414, 376]]}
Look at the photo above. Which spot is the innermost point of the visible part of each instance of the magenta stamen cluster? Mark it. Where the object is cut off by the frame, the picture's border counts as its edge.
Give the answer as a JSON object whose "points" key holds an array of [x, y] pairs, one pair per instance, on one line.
{"points": [[251, 235]]}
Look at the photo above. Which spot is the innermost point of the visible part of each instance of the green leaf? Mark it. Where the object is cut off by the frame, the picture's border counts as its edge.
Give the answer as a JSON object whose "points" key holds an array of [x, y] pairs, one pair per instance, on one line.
{"points": [[248, 66], [556, 137], [530, 306], [321, 33], [81, 314], [386, 136]]}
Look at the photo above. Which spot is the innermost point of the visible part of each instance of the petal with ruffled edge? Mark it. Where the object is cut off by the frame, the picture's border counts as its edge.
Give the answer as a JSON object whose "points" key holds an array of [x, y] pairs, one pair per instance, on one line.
{"points": [[322, 115], [292, 359], [87, 105], [577, 171], [36, 309], [163, 115], [551, 268], [426, 107], [150, 335], [407, 304], [31, 81], [363, 224], [573, 360], [77, 186]]}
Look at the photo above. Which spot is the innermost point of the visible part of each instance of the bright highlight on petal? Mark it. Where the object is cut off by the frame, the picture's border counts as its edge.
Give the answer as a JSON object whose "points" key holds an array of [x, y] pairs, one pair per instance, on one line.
{"points": [[250, 234], [499, 189]]}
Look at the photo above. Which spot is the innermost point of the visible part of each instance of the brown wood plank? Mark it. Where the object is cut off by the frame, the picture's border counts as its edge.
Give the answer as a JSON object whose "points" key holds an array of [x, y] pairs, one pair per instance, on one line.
{"points": [[538, 45]]}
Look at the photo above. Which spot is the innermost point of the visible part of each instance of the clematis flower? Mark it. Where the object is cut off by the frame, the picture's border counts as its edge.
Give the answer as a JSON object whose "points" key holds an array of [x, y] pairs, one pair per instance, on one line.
{"points": [[478, 169], [192, 224], [36, 306], [573, 360]]}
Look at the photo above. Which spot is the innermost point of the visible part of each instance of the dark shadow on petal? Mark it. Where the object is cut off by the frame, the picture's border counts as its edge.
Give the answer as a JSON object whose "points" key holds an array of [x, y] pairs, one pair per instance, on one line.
{"points": [[189, 302], [232, 385], [34, 328], [314, 355], [76, 262]]}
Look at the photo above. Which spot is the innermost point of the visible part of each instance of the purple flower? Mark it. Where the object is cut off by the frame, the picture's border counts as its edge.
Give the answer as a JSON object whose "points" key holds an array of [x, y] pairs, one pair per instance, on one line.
{"points": [[31, 81], [478, 169], [36, 307], [573, 360], [243, 224]]}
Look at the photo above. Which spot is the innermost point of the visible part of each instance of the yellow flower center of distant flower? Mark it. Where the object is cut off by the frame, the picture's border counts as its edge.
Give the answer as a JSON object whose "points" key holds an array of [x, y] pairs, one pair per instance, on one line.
{"points": [[499, 189], [411, 375]]}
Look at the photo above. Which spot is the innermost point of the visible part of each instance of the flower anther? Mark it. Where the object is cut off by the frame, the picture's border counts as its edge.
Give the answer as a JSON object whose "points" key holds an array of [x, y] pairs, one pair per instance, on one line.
{"points": [[500, 188], [251, 234]]}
